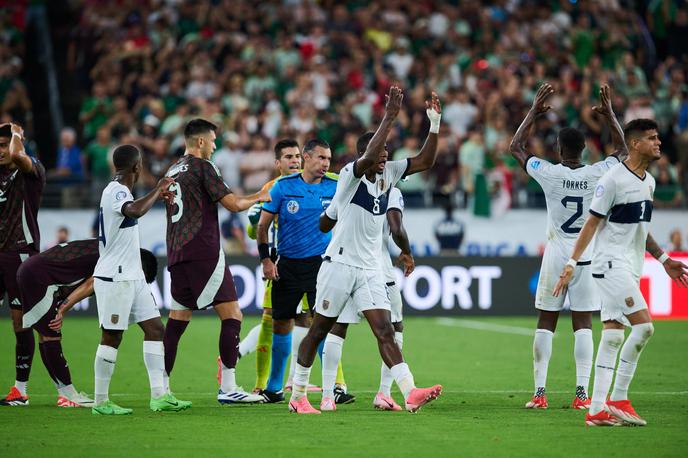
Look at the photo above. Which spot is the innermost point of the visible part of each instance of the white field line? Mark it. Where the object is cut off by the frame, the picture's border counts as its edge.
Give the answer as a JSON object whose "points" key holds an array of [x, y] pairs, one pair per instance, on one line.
{"points": [[213, 394], [483, 326]]}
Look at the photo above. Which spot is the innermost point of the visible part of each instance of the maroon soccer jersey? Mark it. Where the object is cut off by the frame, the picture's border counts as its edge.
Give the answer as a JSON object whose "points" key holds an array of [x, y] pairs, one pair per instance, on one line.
{"points": [[69, 262], [20, 197], [193, 232]]}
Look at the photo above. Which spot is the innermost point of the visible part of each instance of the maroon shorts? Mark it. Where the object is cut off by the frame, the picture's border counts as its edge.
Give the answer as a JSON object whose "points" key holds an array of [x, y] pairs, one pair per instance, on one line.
{"points": [[200, 284], [39, 299], [9, 265]]}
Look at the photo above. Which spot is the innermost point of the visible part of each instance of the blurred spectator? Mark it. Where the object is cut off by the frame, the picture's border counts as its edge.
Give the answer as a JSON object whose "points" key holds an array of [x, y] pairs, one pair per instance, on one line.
{"points": [[234, 235], [675, 242], [98, 156], [668, 192], [69, 167], [449, 233], [228, 160], [95, 110], [62, 235]]}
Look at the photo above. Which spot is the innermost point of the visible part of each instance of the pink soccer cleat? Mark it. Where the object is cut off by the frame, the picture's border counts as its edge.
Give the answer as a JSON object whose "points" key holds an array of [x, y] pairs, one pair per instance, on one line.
{"points": [[302, 405], [382, 402], [327, 405], [418, 397]]}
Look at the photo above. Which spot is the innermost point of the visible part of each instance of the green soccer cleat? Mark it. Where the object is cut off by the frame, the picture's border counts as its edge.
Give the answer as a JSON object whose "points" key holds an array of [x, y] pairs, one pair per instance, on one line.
{"points": [[110, 408], [168, 403]]}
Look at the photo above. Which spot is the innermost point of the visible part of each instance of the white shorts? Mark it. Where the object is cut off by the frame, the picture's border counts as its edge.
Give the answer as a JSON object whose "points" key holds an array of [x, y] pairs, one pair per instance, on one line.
{"points": [[121, 303], [351, 315], [620, 292], [337, 283], [581, 290]]}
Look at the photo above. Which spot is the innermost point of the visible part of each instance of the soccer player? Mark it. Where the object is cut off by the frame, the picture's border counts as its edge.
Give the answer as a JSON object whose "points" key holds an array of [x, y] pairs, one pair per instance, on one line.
{"points": [[351, 268], [620, 213], [297, 200], [568, 188], [22, 179], [51, 283], [199, 276], [334, 341], [122, 294]]}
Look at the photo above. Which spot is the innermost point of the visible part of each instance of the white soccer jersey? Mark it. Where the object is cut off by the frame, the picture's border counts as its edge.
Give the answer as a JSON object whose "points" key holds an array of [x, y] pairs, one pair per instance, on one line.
{"points": [[568, 193], [361, 208], [119, 247], [624, 200]]}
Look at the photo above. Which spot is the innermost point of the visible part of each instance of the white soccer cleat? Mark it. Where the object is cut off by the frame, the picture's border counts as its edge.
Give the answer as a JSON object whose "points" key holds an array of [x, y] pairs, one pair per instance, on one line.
{"points": [[76, 400], [238, 396]]}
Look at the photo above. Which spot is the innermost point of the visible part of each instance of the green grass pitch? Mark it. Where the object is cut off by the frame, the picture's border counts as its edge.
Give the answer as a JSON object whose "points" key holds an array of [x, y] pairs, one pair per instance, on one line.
{"points": [[484, 365]]}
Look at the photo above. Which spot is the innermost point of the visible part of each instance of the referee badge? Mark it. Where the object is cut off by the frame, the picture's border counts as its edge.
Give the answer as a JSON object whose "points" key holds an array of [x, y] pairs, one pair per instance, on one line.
{"points": [[325, 304], [629, 302], [292, 206]]}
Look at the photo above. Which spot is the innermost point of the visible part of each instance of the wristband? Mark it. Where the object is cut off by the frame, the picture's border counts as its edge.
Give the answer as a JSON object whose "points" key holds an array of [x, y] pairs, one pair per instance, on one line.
{"points": [[434, 118], [17, 134], [572, 262], [263, 251], [662, 259]]}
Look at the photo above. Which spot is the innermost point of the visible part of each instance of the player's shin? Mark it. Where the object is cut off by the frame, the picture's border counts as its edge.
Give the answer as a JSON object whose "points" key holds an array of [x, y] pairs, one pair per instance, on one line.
{"points": [[263, 351], [332, 355], [583, 351], [229, 352], [104, 367], [281, 347], [59, 369], [386, 378], [301, 376], [298, 333], [249, 344], [24, 350], [604, 367], [542, 352], [154, 359], [628, 359], [402, 375]]}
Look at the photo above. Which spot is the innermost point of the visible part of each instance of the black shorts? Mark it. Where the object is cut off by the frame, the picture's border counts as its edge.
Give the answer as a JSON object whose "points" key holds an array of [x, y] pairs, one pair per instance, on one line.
{"points": [[296, 278]]}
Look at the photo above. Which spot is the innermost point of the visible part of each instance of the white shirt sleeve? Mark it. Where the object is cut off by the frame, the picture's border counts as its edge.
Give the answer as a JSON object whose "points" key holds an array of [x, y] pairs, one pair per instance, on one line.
{"points": [[397, 170], [396, 200], [604, 197], [606, 164], [347, 180], [331, 211], [539, 169], [121, 196]]}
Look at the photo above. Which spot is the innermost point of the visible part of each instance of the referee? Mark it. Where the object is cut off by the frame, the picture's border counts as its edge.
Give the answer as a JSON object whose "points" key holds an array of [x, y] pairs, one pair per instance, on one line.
{"points": [[297, 201]]}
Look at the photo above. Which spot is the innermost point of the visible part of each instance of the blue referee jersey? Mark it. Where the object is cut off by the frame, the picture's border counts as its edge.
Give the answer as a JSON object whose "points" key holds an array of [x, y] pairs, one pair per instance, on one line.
{"points": [[298, 205]]}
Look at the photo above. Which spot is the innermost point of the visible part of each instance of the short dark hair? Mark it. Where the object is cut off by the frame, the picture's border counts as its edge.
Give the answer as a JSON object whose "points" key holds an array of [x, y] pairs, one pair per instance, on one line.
{"points": [[314, 143], [198, 126], [149, 263], [5, 130], [638, 127], [284, 143], [124, 157], [362, 142], [571, 141]]}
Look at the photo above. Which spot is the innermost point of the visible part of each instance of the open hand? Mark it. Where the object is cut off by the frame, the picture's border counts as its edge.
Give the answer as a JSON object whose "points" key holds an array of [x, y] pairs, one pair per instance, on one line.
{"points": [[605, 106], [543, 93], [564, 280], [407, 263], [393, 101], [270, 270], [678, 272]]}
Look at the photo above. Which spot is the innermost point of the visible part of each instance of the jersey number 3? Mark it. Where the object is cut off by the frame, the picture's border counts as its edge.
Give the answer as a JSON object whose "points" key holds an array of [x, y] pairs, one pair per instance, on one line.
{"points": [[177, 190], [578, 202]]}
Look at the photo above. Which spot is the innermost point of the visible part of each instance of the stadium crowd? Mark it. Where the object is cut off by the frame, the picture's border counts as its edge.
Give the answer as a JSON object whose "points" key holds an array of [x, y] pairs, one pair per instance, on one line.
{"points": [[302, 69]]}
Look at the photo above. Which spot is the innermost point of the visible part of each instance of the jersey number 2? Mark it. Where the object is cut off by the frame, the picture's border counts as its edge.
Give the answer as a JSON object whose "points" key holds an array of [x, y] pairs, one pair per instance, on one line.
{"points": [[578, 201], [177, 190]]}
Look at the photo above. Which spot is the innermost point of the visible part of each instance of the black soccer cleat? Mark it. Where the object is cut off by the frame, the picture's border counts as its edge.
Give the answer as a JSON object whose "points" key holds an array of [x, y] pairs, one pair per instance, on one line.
{"points": [[270, 397], [342, 397]]}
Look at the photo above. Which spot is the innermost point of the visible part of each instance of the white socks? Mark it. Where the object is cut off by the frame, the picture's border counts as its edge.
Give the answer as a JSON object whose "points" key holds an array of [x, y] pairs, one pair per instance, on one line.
{"points": [[604, 367], [301, 376], [542, 351], [297, 335], [154, 359], [628, 360], [402, 375], [67, 391], [332, 354], [249, 343], [21, 386], [583, 349], [104, 366], [228, 379], [386, 378]]}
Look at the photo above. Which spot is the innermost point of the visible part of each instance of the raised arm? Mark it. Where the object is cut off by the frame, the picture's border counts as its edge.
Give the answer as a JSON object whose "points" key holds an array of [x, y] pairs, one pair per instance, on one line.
{"points": [[675, 269], [235, 203], [377, 143], [140, 207], [400, 237], [519, 144], [17, 152], [428, 153], [584, 237], [616, 132]]}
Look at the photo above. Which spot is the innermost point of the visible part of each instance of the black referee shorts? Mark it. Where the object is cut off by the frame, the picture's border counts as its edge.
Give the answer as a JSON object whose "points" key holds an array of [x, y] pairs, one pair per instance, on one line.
{"points": [[296, 278]]}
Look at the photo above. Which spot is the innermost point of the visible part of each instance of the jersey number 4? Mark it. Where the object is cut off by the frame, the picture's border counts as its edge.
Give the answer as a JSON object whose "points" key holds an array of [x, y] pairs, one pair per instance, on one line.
{"points": [[177, 190], [578, 202]]}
